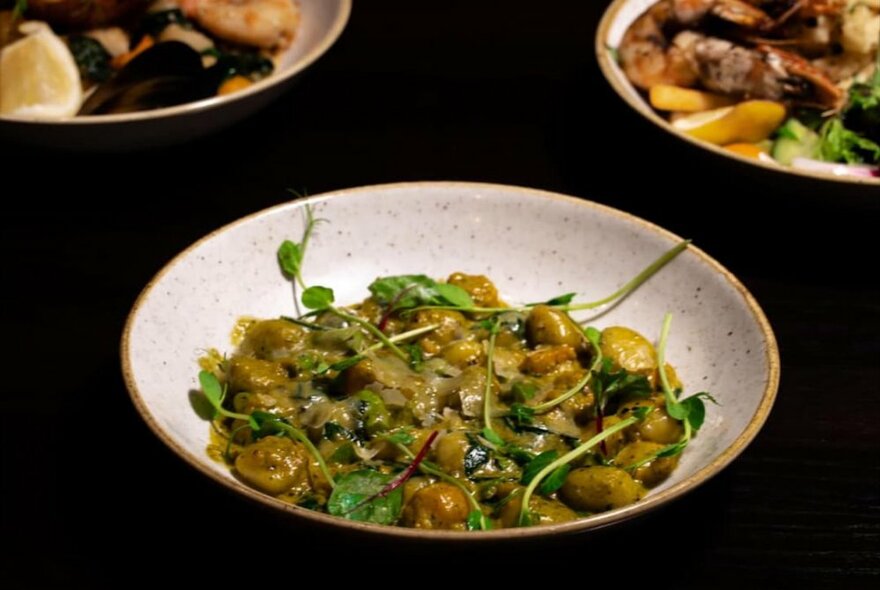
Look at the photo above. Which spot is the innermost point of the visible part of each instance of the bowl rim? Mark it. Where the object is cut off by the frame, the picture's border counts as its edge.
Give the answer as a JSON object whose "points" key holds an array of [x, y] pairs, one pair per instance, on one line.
{"points": [[605, 64], [205, 104], [651, 502]]}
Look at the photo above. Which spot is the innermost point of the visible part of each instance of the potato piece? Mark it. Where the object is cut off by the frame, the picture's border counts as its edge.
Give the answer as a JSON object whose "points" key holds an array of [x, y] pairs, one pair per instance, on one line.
{"points": [[546, 325], [479, 287], [450, 452], [665, 97], [651, 473], [613, 443], [658, 426], [543, 510], [451, 323], [544, 360], [628, 350], [437, 506], [463, 353], [273, 339], [274, 465], [600, 488], [254, 375]]}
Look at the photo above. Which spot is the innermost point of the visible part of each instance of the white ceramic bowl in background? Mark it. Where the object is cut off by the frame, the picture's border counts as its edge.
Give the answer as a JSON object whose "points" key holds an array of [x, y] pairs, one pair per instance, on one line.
{"points": [[616, 20], [321, 24], [533, 244]]}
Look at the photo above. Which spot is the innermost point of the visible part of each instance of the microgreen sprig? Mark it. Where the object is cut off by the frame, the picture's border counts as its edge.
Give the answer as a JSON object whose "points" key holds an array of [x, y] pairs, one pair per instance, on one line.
{"points": [[567, 458], [216, 394], [563, 302], [488, 432], [690, 411], [261, 423], [291, 254]]}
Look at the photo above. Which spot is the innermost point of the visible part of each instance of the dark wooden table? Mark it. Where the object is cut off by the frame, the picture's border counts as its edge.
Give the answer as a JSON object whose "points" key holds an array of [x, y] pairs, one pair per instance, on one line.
{"points": [[489, 91]]}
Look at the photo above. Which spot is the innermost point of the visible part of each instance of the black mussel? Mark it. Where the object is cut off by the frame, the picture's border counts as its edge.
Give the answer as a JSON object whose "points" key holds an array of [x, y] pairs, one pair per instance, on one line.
{"points": [[167, 74]]}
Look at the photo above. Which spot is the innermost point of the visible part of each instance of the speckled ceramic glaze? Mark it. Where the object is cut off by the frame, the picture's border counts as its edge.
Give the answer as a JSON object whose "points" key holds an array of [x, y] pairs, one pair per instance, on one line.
{"points": [[322, 23], [616, 20], [533, 244]]}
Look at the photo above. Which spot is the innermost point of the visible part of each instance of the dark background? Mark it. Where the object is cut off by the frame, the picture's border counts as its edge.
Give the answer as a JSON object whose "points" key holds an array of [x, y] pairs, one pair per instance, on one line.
{"points": [[505, 92]]}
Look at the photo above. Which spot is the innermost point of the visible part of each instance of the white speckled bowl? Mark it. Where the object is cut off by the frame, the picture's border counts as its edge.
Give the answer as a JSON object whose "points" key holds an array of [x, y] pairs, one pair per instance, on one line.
{"points": [[616, 20], [533, 244], [322, 23]]}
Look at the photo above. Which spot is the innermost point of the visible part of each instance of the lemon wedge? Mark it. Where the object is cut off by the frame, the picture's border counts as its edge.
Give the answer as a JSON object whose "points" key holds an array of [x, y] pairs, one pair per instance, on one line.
{"points": [[38, 77], [750, 122]]}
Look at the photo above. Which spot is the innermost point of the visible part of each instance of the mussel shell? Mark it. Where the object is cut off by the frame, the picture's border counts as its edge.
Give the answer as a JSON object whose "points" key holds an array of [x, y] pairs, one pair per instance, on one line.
{"points": [[167, 74]]}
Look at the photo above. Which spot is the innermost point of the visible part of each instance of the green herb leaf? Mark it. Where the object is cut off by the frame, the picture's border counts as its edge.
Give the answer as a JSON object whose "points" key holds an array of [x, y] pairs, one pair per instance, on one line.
{"points": [[673, 449], [555, 480], [839, 144], [318, 297], [401, 437], [372, 408], [696, 409], [523, 391], [408, 291], [607, 384], [211, 388], [561, 299], [454, 295], [492, 436], [518, 454], [404, 291], [536, 465], [346, 363], [594, 336], [477, 521], [416, 357], [521, 414], [289, 258], [344, 454], [353, 488]]}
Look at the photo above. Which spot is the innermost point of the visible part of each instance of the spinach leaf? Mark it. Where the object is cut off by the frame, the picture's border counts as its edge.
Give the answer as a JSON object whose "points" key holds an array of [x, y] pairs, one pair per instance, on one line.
{"points": [[408, 291], [536, 465], [347, 499], [477, 521], [555, 480]]}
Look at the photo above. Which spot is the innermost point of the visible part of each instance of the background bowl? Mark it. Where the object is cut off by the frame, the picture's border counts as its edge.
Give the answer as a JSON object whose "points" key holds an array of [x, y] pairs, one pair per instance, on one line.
{"points": [[322, 23], [616, 20], [533, 244]]}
